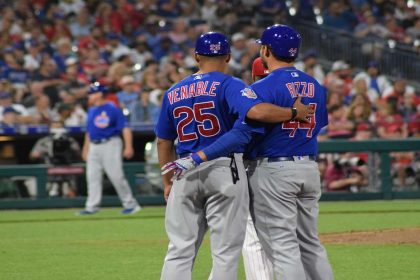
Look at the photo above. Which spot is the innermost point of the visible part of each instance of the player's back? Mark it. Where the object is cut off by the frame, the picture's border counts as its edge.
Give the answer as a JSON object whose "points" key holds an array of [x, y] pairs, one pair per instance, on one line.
{"points": [[200, 109], [291, 138]]}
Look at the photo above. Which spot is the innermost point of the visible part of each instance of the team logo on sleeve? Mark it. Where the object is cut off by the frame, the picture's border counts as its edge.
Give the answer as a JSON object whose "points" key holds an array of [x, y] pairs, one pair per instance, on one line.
{"points": [[102, 120], [247, 92]]}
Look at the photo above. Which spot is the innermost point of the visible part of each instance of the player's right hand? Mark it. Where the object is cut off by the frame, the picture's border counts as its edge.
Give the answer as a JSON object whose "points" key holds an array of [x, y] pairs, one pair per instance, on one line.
{"points": [[303, 111], [180, 167]]}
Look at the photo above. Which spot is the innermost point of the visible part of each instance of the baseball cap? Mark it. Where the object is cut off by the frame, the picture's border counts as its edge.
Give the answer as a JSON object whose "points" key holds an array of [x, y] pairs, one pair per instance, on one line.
{"points": [[71, 61], [258, 68], [9, 110], [238, 36], [309, 54], [373, 64], [127, 80], [339, 65], [97, 87]]}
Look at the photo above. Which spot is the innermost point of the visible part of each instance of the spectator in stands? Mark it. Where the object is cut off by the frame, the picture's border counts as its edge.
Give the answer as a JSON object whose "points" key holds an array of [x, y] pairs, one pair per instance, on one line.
{"points": [[345, 174], [396, 32], [339, 16], [6, 101], [238, 49], [414, 31], [360, 87], [33, 58], [398, 90], [41, 113], [64, 51], [338, 124], [339, 78], [71, 114], [370, 30], [390, 124], [335, 98], [128, 95], [82, 25], [49, 76], [10, 117], [360, 109], [373, 78], [309, 65], [141, 52]]}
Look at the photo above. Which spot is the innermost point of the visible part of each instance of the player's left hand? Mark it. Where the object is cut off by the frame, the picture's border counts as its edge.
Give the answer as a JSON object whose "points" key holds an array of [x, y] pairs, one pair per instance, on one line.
{"points": [[180, 167], [128, 152], [303, 111]]}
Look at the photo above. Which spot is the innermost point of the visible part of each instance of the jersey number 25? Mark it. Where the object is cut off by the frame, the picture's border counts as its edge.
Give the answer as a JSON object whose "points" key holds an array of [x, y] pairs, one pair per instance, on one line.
{"points": [[199, 115], [295, 125]]}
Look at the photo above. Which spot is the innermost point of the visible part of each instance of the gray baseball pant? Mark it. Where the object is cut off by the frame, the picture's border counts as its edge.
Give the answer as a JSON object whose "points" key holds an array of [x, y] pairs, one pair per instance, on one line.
{"points": [[107, 157], [206, 198], [285, 205]]}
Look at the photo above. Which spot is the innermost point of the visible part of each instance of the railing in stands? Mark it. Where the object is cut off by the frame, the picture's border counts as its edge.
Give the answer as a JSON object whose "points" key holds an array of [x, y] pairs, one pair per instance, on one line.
{"points": [[382, 147]]}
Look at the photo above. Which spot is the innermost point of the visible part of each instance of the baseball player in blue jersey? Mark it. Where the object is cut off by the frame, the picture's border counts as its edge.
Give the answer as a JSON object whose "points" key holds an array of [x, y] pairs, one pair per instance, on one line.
{"points": [[198, 111], [103, 151], [284, 176]]}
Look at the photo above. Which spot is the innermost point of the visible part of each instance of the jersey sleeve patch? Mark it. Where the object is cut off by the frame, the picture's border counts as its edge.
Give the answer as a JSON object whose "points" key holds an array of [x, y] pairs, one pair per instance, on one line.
{"points": [[249, 93]]}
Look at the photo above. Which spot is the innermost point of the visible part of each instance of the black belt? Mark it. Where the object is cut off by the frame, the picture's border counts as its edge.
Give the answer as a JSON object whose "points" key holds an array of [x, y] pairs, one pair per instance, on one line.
{"points": [[293, 158], [100, 141]]}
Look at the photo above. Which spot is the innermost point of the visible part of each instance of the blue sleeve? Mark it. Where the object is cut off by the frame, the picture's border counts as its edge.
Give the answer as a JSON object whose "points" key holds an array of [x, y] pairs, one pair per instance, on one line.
{"points": [[121, 121], [165, 127], [240, 98], [239, 136]]}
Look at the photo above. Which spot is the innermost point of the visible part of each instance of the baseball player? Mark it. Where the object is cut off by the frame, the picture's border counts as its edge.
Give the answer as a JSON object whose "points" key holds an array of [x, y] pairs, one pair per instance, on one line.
{"points": [[103, 150], [256, 263], [198, 111], [284, 176]]}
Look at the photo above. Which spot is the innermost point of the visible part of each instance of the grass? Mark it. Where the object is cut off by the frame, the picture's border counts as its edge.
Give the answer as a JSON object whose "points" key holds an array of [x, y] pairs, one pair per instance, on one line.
{"points": [[56, 244]]}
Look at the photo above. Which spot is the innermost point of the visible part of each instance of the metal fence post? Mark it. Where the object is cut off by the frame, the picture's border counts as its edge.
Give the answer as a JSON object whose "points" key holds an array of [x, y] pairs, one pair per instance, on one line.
{"points": [[386, 175]]}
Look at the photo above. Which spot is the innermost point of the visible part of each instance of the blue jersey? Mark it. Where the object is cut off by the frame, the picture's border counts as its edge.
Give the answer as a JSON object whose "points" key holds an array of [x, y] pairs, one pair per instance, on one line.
{"points": [[201, 108], [291, 138], [105, 121]]}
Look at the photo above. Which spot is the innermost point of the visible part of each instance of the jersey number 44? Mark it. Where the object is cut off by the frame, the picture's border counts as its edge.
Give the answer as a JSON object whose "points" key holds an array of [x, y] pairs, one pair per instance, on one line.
{"points": [[295, 125]]}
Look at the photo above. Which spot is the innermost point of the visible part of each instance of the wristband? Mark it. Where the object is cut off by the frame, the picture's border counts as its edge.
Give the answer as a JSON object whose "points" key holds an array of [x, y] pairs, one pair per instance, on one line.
{"points": [[294, 114], [196, 158]]}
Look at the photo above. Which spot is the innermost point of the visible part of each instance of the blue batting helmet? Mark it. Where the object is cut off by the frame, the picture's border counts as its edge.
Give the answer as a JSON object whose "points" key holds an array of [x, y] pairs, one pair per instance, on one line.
{"points": [[282, 39], [97, 87], [212, 44]]}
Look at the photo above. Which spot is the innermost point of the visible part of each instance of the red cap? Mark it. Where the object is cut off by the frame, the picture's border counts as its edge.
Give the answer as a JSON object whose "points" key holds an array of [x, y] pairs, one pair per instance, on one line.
{"points": [[258, 68]]}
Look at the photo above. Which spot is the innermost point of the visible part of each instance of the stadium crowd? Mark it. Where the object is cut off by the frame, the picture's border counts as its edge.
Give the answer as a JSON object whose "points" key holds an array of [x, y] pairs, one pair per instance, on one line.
{"points": [[52, 51]]}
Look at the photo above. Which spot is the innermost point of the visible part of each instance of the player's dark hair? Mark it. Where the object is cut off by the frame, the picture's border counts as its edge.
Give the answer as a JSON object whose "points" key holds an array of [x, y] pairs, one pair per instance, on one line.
{"points": [[280, 58]]}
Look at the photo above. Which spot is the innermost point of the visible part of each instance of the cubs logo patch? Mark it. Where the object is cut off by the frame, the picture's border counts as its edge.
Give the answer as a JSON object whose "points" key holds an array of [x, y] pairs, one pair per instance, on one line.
{"points": [[102, 120], [249, 93], [293, 51], [215, 48]]}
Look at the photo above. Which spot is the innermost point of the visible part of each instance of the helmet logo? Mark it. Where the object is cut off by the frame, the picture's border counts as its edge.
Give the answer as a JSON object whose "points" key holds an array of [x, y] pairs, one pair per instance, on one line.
{"points": [[293, 51], [215, 47]]}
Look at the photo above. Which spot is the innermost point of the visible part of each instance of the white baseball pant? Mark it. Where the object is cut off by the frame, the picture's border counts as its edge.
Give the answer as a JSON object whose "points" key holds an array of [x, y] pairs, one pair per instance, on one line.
{"points": [[256, 263]]}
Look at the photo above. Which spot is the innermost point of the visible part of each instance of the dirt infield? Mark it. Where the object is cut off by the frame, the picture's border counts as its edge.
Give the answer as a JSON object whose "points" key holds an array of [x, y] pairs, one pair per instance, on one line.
{"points": [[391, 236]]}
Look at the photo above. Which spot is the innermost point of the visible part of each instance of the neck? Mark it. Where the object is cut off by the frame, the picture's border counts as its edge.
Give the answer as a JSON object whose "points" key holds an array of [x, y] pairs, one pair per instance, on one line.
{"points": [[211, 68], [100, 102], [275, 64]]}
